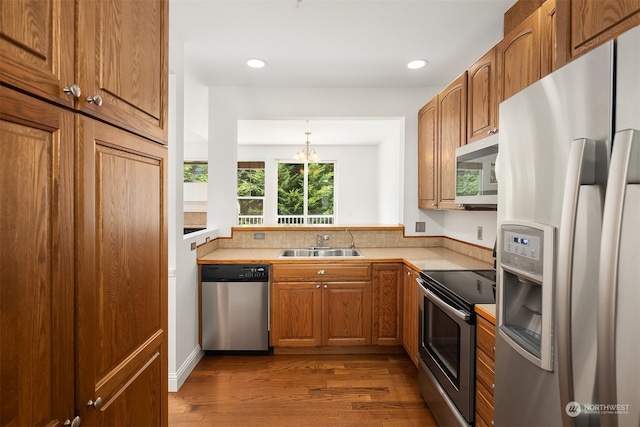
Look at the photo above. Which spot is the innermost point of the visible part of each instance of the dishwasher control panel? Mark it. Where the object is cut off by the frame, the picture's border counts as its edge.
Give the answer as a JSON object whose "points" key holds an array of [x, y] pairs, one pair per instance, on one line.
{"points": [[235, 273]]}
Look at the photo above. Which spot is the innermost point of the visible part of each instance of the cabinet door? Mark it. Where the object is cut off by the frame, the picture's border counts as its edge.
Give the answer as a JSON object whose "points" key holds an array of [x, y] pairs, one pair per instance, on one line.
{"points": [[36, 47], [387, 297], [427, 155], [121, 313], [36, 262], [452, 111], [548, 38], [410, 314], [482, 100], [346, 313], [122, 57], [296, 314], [586, 24], [519, 57]]}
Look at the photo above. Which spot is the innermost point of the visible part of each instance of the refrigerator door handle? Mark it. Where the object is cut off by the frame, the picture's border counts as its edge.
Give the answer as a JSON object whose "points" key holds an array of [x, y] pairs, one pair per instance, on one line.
{"points": [[625, 169], [582, 169]]}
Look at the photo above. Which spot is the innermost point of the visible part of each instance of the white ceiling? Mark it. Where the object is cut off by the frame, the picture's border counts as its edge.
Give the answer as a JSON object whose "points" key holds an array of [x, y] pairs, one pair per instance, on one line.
{"points": [[333, 43]]}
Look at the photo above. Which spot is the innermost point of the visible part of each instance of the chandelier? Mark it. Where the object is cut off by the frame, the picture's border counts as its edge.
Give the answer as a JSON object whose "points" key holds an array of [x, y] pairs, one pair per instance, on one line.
{"points": [[307, 154]]}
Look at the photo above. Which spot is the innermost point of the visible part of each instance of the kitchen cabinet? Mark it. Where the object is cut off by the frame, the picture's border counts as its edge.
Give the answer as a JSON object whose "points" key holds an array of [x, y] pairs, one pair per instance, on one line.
{"points": [[482, 100], [121, 271], [452, 133], [36, 261], [485, 367], [119, 66], [84, 202], [427, 155], [321, 304], [585, 24], [410, 313], [548, 38], [518, 57], [387, 303]]}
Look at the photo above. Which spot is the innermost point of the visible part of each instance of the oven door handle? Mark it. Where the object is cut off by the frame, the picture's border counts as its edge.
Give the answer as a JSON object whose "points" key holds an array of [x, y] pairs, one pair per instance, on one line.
{"points": [[446, 307]]}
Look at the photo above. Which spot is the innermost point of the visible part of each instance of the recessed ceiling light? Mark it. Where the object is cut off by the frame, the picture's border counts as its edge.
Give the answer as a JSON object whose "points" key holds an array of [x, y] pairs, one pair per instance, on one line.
{"points": [[418, 63], [256, 63]]}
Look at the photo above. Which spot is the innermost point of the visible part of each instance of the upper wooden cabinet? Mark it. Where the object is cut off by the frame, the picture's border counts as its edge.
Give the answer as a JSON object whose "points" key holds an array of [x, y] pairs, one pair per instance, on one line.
{"points": [[119, 63], [482, 99], [518, 57], [452, 133], [548, 37], [427, 155], [586, 24]]}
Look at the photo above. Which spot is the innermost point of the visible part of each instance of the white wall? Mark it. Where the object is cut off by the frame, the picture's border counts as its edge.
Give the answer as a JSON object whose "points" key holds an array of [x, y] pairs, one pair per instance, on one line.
{"points": [[230, 104]]}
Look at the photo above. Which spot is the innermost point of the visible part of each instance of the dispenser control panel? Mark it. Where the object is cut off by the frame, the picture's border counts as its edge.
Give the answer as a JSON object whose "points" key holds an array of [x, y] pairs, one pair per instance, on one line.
{"points": [[519, 243], [523, 248]]}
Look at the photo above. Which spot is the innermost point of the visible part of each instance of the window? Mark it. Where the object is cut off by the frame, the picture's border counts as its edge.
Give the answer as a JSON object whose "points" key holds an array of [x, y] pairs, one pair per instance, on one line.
{"points": [[250, 193], [196, 172], [306, 193]]}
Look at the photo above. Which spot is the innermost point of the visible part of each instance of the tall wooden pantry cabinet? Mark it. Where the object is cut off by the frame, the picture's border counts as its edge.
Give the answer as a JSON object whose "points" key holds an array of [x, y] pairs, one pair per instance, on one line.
{"points": [[83, 212]]}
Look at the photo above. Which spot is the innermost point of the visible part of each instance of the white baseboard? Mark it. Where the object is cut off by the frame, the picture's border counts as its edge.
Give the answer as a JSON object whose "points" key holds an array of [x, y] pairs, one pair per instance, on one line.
{"points": [[176, 379]]}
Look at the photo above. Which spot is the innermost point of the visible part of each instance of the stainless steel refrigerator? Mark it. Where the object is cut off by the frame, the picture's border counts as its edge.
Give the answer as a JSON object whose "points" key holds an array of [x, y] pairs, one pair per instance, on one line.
{"points": [[568, 304]]}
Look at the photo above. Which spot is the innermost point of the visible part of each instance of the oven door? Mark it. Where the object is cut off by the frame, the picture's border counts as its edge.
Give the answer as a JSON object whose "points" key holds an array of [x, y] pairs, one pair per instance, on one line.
{"points": [[447, 347]]}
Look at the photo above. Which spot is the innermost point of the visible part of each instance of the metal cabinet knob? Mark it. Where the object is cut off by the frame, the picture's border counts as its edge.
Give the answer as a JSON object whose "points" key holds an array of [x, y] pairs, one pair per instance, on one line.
{"points": [[325, 286], [96, 99], [74, 423], [322, 272], [97, 404], [492, 131], [434, 205], [317, 286], [74, 90]]}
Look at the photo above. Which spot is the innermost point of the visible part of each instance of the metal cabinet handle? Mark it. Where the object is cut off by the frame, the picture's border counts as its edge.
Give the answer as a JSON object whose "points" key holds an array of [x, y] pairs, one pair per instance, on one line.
{"points": [[96, 99], [322, 272], [492, 131], [97, 404], [317, 286], [74, 90], [325, 286], [74, 423]]}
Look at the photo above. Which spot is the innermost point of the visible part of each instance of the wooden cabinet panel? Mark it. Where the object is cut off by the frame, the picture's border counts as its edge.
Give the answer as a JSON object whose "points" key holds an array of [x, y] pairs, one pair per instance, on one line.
{"points": [[485, 368], [321, 272], [36, 47], [346, 313], [112, 37], [484, 403], [482, 100], [387, 295], [427, 155], [410, 314], [452, 133], [296, 318], [519, 57], [486, 336], [548, 38], [36, 262], [586, 24], [121, 278]]}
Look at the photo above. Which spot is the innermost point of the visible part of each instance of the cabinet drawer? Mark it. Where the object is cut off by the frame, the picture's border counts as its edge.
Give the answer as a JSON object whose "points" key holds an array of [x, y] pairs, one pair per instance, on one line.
{"points": [[484, 403], [486, 336], [480, 422], [485, 370], [320, 272]]}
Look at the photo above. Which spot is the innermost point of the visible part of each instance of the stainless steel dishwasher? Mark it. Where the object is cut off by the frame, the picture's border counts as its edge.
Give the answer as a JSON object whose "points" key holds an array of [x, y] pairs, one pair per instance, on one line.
{"points": [[235, 307]]}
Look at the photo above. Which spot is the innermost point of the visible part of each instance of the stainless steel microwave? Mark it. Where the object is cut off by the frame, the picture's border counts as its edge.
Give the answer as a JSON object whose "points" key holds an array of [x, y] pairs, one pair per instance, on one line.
{"points": [[476, 175]]}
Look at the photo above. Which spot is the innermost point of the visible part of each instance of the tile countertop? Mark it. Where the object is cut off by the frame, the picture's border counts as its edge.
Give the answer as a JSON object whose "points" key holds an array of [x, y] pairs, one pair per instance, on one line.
{"points": [[436, 258]]}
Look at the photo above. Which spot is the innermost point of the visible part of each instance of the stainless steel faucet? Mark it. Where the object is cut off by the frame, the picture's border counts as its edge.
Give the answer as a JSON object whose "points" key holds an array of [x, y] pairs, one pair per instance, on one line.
{"points": [[322, 239], [353, 243]]}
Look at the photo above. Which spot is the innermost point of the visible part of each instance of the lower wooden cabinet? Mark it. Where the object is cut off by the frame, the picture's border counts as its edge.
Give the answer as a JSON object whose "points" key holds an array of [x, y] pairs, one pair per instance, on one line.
{"points": [[83, 262], [485, 368], [410, 313], [387, 303], [321, 304]]}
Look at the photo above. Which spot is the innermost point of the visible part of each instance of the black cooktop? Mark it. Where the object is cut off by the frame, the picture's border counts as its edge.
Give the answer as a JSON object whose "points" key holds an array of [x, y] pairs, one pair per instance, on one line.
{"points": [[467, 287]]}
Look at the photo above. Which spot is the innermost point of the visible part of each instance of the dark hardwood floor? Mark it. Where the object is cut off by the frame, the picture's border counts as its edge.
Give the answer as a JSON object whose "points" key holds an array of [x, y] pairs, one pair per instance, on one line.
{"points": [[301, 390]]}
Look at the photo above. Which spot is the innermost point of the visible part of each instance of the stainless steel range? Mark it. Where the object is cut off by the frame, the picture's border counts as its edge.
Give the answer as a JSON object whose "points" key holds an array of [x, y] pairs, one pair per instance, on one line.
{"points": [[447, 335]]}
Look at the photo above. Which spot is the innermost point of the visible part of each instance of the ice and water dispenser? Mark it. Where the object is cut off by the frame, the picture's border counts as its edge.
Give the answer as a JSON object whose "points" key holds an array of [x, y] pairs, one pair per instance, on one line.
{"points": [[526, 290]]}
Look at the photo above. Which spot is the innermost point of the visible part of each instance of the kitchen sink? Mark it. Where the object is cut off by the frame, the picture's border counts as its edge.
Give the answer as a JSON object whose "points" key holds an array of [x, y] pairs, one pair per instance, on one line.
{"points": [[318, 252]]}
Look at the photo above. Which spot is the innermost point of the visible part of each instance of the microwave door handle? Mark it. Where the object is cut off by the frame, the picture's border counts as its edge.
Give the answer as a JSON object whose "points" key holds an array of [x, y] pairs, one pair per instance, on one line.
{"points": [[625, 169], [463, 315]]}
